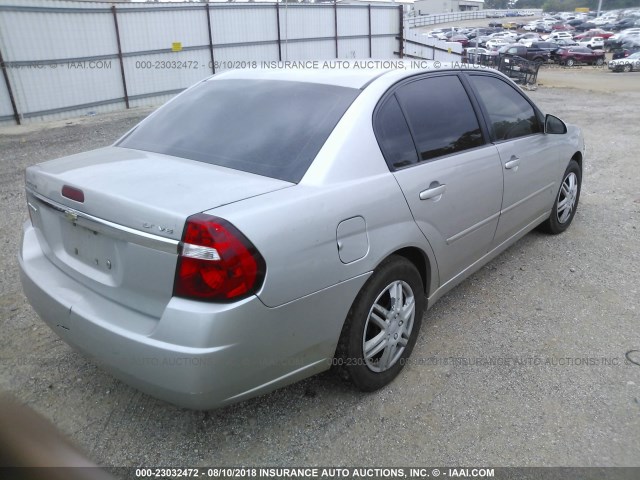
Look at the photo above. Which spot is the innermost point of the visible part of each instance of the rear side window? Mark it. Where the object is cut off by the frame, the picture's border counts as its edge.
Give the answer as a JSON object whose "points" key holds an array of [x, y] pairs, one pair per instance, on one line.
{"points": [[510, 114], [394, 136], [440, 116], [267, 127]]}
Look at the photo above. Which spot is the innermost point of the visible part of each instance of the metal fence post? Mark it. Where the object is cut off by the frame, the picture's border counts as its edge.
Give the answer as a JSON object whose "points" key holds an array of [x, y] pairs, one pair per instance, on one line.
{"points": [[369, 14], [213, 62], [124, 80], [16, 115], [335, 23], [401, 50], [279, 35]]}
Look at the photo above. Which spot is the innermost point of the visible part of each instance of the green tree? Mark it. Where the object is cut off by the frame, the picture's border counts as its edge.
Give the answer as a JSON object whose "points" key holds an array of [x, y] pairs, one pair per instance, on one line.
{"points": [[496, 4]]}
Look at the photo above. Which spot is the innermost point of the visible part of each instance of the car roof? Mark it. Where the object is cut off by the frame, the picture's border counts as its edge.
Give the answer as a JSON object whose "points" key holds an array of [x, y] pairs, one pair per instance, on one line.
{"points": [[342, 73]]}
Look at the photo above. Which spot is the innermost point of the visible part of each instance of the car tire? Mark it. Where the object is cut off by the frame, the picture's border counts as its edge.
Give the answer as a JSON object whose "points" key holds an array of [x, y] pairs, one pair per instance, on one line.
{"points": [[570, 62], [377, 337], [599, 62], [564, 208], [626, 68]]}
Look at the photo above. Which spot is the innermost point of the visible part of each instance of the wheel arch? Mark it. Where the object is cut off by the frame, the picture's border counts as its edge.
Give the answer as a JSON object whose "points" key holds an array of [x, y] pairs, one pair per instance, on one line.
{"points": [[421, 261], [578, 158]]}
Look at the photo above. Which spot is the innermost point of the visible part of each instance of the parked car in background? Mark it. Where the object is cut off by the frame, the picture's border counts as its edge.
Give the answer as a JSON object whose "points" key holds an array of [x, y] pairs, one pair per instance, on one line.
{"points": [[543, 28], [547, 46], [619, 39], [593, 43], [477, 55], [496, 42], [605, 19], [562, 27], [596, 32], [534, 54], [480, 41], [557, 35], [583, 27], [461, 39], [565, 42], [625, 52], [623, 23], [511, 36], [263, 226], [627, 64], [531, 37], [574, 55]]}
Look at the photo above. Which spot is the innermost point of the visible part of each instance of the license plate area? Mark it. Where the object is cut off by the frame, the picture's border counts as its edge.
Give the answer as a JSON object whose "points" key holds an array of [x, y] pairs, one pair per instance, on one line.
{"points": [[88, 246]]}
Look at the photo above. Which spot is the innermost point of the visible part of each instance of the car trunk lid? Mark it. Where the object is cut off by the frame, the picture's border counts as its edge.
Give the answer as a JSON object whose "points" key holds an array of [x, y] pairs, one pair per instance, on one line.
{"points": [[122, 239]]}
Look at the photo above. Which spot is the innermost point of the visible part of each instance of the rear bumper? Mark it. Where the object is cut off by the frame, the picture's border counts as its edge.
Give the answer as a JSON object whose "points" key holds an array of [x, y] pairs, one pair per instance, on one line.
{"points": [[197, 355]]}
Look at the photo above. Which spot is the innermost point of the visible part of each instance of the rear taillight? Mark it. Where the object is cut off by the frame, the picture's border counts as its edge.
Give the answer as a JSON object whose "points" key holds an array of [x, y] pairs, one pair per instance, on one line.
{"points": [[217, 262]]}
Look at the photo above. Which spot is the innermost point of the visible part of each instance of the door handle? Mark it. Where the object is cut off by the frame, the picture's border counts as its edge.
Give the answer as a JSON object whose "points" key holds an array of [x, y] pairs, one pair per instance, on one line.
{"points": [[432, 192], [512, 163]]}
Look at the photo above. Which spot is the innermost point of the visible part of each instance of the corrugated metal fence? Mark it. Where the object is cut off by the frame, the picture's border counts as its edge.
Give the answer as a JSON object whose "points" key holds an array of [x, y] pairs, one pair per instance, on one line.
{"points": [[438, 18], [63, 58]]}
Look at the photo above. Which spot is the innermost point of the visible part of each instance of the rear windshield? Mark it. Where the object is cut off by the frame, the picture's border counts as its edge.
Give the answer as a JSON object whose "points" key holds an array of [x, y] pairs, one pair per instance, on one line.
{"points": [[267, 127]]}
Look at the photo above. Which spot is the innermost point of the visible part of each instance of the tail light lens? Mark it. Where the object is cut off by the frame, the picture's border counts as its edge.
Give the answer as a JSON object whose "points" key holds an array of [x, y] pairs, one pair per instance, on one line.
{"points": [[217, 262]]}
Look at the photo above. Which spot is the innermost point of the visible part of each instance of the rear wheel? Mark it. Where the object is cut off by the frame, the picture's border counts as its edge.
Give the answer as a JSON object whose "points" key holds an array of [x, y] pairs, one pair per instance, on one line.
{"points": [[564, 208], [382, 325]]}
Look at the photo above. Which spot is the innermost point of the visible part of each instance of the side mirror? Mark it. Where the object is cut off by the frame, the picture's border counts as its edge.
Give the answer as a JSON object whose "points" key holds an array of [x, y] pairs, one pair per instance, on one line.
{"points": [[554, 125]]}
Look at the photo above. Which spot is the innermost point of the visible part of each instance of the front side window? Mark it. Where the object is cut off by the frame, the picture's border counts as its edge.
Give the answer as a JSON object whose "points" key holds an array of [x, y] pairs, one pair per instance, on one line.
{"points": [[440, 116], [510, 114]]}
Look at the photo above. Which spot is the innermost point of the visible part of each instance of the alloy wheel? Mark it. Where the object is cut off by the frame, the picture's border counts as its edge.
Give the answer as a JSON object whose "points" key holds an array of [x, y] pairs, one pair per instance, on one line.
{"points": [[388, 326], [567, 197]]}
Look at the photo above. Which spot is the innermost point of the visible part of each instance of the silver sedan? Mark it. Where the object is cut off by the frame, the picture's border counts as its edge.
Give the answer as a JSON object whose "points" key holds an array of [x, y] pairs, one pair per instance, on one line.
{"points": [[266, 225]]}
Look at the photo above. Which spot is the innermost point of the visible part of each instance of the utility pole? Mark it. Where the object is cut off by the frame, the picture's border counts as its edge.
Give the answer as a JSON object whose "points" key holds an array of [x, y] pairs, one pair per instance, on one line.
{"points": [[599, 7]]}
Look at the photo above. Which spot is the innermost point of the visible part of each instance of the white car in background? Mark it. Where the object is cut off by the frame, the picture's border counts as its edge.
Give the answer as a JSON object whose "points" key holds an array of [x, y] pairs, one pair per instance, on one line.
{"points": [[497, 43], [506, 35], [604, 20], [628, 64], [559, 35], [530, 37], [593, 43]]}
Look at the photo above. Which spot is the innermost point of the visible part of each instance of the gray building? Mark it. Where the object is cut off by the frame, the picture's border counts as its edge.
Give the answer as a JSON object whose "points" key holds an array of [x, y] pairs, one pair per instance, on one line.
{"points": [[427, 7]]}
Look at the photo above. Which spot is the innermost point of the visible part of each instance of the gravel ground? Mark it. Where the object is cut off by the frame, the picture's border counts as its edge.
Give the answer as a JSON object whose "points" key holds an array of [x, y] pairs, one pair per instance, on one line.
{"points": [[544, 300]]}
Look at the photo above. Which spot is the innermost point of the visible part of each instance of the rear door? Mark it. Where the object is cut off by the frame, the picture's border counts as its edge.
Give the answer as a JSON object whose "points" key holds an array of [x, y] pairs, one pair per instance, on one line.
{"points": [[450, 175]]}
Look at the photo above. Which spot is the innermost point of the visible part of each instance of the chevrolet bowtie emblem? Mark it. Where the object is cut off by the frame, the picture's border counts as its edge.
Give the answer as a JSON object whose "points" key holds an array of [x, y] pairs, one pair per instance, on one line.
{"points": [[72, 217]]}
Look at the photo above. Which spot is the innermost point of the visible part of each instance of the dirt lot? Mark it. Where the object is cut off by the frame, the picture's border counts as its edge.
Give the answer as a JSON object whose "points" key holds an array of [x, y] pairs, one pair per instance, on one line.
{"points": [[495, 383]]}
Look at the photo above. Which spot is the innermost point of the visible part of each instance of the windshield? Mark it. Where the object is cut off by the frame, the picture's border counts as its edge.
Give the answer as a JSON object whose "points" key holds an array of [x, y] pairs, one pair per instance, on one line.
{"points": [[267, 127]]}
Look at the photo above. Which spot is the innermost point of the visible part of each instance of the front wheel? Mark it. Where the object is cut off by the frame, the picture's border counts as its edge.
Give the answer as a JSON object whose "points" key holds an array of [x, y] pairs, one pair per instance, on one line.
{"points": [[626, 68], [599, 62], [382, 325], [570, 62], [564, 208]]}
